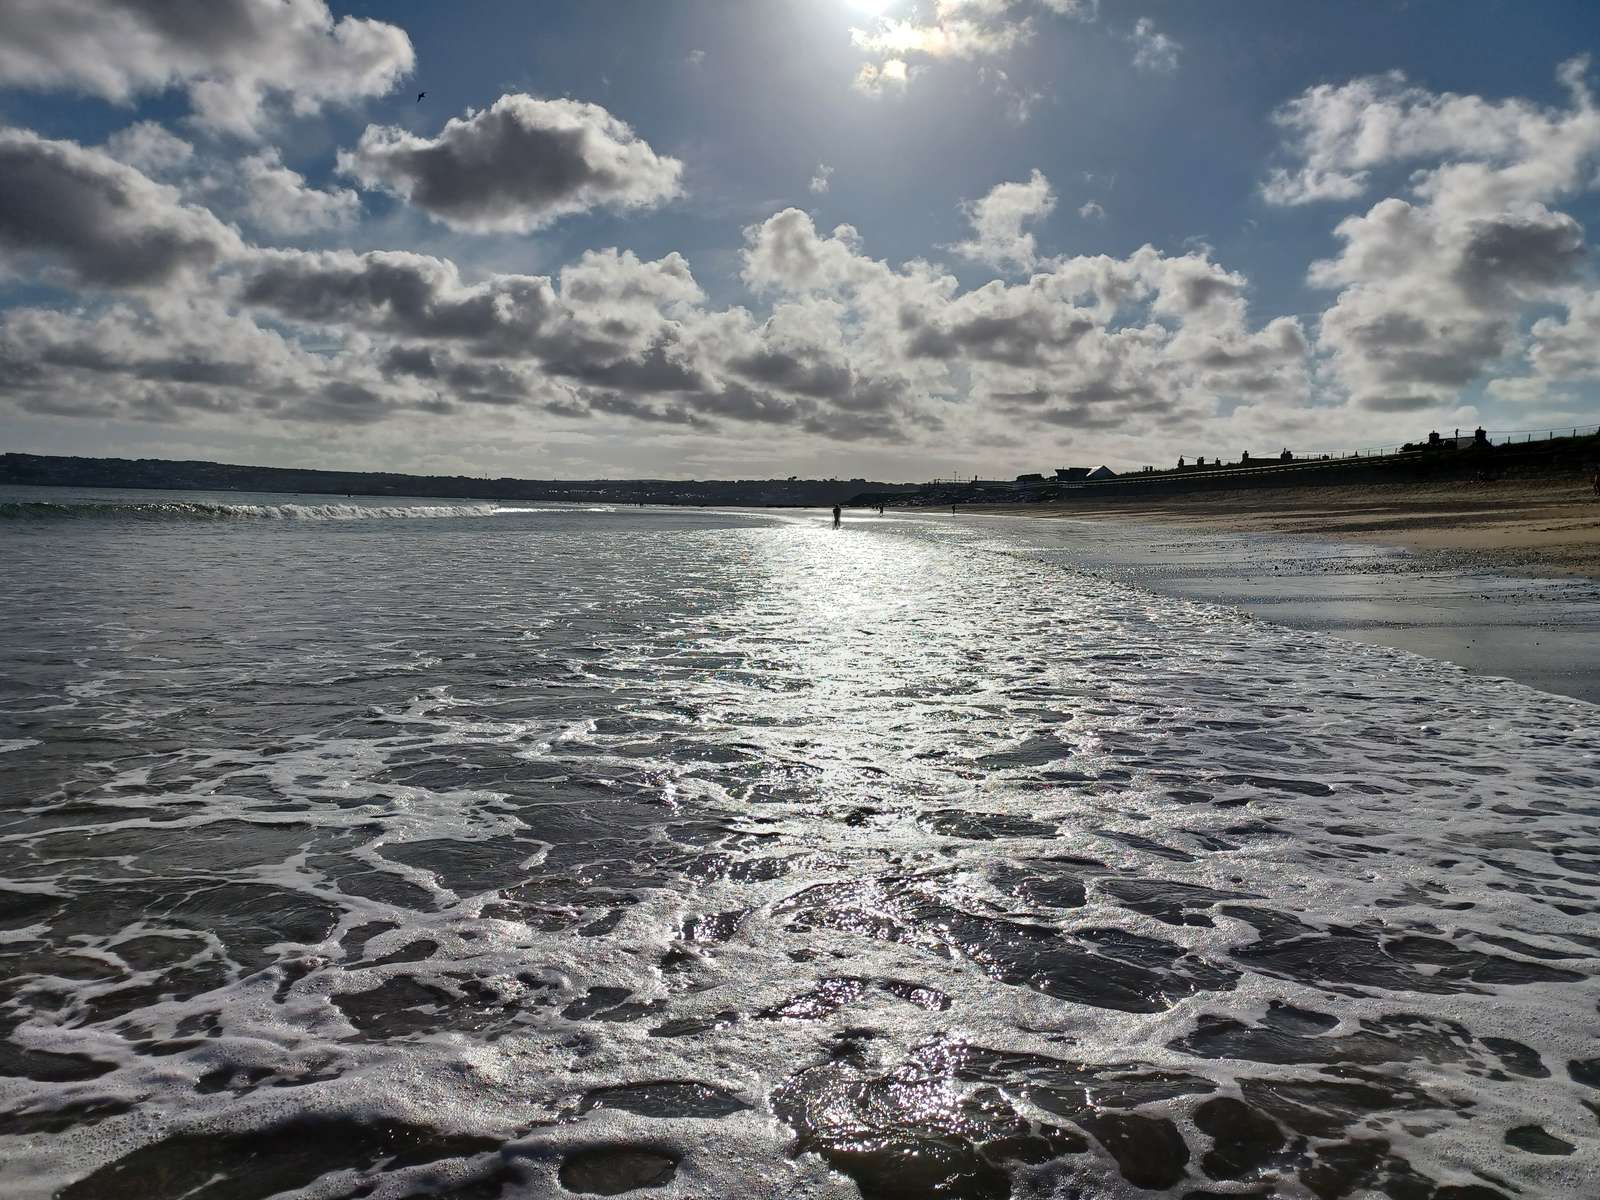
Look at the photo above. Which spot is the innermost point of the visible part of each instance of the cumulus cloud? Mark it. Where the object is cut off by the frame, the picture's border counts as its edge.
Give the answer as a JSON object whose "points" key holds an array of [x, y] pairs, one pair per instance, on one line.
{"points": [[1152, 49], [785, 253], [1434, 291], [236, 59], [997, 220], [820, 178], [150, 148], [279, 200], [516, 166], [1339, 134], [98, 220], [413, 295], [890, 75], [1086, 343], [1090, 210], [256, 189], [846, 347], [1567, 350], [179, 361]]}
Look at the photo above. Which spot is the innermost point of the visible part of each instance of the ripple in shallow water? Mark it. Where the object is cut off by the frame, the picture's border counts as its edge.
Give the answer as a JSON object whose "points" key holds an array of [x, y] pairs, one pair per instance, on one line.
{"points": [[760, 860]]}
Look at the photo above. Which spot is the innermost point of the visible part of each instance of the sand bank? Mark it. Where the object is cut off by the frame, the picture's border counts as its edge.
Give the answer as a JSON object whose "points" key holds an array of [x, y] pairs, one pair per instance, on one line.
{"points": [[1528, 527]]}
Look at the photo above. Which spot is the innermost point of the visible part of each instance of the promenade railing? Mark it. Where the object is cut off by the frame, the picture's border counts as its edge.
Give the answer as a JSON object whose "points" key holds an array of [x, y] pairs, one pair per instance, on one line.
{"points": [[1495, 437]]}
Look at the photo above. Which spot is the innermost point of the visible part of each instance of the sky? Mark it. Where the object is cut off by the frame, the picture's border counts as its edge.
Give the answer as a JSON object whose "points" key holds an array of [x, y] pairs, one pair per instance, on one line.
{"points": [[888, 239]]}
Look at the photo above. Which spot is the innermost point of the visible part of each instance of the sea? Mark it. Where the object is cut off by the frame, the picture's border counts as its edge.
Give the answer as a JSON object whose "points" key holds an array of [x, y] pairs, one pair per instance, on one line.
{"points": [[379, 847]]}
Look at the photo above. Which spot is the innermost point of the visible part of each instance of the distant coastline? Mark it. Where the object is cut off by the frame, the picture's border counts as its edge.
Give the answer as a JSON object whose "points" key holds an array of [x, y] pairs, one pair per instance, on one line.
{"points": [[1552, 455], [43, 470]]}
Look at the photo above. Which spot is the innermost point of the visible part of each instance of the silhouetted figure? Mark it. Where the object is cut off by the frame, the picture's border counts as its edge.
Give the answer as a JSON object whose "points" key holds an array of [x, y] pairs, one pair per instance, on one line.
{"points": [[836, 514], [420, 95]]}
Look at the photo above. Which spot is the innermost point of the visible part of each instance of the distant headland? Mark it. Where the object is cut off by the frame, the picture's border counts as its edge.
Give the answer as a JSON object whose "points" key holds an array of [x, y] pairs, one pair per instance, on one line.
{"points": [[41, 470]]}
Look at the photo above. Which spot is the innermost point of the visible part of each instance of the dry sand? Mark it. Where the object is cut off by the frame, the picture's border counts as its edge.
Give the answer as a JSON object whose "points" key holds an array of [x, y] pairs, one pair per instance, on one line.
{"points": [[1531, 527]]}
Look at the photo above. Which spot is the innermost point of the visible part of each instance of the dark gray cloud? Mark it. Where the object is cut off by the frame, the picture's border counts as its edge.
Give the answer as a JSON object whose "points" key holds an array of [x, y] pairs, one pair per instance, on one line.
{"points": [[640, 410], [790, 371], [342, 402], [599, 364], [409, 294], [1081, 416], [1401, 404], [105, 223], [1025, 335], [517, 165], [1513, 252], [476, 381]]}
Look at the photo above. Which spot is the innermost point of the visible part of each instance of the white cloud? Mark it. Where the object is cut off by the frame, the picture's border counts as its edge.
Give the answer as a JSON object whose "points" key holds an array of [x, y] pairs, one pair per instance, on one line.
{"points": [[236, 59], [784, 253], [820, 178], [256, 189], [150, 148], [850, 349], [1152, 49], [950, 35], [890, 75], [1340, 134], [956, 29], [997, 220], [516, 166], [1019, 102], [279, 201], [1434, 291], [1090, 210]]}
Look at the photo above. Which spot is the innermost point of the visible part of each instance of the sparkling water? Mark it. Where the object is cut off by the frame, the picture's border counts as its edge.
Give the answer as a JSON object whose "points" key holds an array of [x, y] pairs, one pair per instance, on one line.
{"points": [[401, 848]]}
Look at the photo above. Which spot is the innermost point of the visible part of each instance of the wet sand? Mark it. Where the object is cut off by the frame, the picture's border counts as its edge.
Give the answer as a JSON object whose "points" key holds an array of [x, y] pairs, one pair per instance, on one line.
{"points": [[1500, 579], [1537, 528]]}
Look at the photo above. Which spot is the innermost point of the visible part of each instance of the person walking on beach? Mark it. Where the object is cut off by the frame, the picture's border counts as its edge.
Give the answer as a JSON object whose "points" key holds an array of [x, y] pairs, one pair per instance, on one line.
{"points": [[836, 516]]}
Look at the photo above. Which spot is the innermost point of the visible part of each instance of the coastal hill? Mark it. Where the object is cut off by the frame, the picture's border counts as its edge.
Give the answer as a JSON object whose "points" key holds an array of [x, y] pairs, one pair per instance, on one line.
{"points": [[58, 471]]}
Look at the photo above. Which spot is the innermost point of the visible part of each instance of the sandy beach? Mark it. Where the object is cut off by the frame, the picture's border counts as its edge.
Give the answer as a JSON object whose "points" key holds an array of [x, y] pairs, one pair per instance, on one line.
{"points": [[1526, 527]]}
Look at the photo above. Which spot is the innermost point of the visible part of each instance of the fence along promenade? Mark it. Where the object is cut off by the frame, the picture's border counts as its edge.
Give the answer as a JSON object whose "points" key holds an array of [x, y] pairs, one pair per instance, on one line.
{"points": [[1448, 458]]}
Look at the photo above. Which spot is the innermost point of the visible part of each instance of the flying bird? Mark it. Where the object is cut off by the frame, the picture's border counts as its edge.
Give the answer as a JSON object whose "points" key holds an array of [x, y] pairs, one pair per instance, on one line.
{"points": [[420, 95]]}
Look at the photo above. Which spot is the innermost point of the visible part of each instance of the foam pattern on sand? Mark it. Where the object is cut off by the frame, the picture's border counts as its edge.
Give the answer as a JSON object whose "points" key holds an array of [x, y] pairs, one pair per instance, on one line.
{"points": [[762, 860]]}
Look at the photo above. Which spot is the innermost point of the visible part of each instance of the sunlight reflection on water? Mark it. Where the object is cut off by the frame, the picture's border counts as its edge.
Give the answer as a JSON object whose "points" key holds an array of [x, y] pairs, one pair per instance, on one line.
{"points": [[739, 854]]}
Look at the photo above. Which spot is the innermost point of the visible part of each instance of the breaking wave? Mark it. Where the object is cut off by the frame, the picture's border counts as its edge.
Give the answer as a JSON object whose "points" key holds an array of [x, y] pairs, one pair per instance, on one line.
{"points": [[194, 510], [768, 860]]}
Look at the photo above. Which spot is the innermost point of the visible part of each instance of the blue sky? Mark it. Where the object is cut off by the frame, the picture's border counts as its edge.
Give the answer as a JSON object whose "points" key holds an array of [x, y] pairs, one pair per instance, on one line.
{"points": [[833, 237]]}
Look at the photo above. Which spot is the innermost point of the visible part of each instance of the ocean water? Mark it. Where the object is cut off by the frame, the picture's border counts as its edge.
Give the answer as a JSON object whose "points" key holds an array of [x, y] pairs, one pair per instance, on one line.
{"points": [[393, 848]]}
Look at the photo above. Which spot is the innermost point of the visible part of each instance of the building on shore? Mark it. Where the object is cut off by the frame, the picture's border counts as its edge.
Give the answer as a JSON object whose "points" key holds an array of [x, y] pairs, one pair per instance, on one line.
{"points": [[1083, 474]]}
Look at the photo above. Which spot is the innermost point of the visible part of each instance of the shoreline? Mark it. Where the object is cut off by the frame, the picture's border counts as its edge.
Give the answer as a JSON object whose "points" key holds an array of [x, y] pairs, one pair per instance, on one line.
{"points": [[1501, 579], [1533, 527]]}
